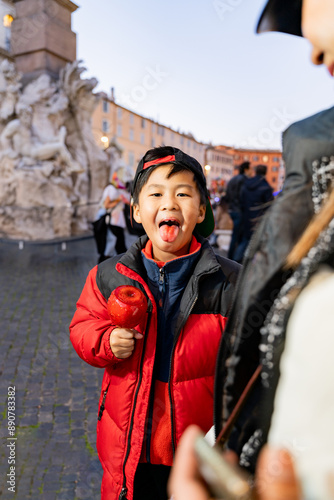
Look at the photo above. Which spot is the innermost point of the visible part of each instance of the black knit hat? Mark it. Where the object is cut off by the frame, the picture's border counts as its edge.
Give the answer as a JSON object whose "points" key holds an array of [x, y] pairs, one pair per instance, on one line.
{"points": [[281, 15], [206, 227]]}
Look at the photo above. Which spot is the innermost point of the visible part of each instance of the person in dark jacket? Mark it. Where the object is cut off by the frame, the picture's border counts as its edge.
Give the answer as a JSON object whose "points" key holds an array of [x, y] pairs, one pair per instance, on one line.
{"points": [[283, 308], [255, 198], [233, 199], [159, 376]]}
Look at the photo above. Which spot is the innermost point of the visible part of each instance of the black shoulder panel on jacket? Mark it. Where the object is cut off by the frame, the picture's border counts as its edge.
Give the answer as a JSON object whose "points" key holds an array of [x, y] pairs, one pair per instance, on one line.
{"points": [[107, 278]]}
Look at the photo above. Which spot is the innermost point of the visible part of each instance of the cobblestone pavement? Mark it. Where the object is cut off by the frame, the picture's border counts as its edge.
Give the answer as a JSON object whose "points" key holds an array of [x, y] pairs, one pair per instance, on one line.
{"points": [[56, 393]]}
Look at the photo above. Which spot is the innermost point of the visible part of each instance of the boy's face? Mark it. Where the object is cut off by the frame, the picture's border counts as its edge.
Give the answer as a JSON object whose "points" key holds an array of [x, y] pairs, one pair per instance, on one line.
{"points": [[169, 210], [318, 28]]}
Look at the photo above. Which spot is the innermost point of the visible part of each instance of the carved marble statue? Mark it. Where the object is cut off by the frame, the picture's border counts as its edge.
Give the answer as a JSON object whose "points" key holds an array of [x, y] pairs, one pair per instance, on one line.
{"points": [[9, 88], [52, 173], [17, 139]]}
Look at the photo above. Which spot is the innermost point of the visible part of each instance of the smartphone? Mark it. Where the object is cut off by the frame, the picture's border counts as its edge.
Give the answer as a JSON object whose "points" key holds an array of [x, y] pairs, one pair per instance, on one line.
{"points": [[224, 480]]}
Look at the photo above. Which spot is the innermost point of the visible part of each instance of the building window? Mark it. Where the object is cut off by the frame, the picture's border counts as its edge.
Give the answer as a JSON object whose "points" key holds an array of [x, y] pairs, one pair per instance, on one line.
{"points": [[132, 119], [7, 22], [142, 138], [143, 123], [182, 139], [105, 126], [119, 130], [255, 158], [153, 128], [153, 142], [265, 158], [119, 113], [276, 159], [131, 134], [105, 106], [274, 169]]}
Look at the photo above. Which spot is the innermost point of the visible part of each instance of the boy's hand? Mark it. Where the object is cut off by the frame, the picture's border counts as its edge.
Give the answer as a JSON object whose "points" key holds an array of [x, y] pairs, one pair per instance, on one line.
{"points": [[122, 341]]}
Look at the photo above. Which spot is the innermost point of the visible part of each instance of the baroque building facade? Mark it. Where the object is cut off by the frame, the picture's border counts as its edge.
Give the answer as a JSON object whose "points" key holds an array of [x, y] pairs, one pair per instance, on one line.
{"points": [[134, 134], [272, 158]]}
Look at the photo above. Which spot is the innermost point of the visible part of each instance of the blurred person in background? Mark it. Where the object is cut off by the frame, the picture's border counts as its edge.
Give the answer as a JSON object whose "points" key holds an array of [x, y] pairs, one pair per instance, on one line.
{"points": [[222, 216], [110, 221], [255, 198], [233, 199]]}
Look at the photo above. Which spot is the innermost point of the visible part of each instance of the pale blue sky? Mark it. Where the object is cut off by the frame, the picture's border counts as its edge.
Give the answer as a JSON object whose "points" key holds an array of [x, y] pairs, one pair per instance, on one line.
{"points": [[198, 65]]}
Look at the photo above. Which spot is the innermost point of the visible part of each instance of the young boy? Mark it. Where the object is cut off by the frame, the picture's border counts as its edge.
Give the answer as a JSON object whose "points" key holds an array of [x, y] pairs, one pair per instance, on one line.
{"points": [[159, 376]]}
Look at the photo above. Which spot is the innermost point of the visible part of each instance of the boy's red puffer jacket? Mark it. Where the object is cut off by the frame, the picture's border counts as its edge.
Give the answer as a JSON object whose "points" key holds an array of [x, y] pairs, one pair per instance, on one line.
{"points": [[126, 383]]}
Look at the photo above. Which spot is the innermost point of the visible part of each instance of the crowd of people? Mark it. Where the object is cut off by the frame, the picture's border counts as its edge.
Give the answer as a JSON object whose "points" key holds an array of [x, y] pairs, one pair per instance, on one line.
{"points": [[247, 348]]}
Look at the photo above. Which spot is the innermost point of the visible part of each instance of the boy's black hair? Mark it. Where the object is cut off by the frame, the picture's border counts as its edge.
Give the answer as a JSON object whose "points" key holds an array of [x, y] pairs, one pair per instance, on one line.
{"points": [[162, 152], [180, 161]]}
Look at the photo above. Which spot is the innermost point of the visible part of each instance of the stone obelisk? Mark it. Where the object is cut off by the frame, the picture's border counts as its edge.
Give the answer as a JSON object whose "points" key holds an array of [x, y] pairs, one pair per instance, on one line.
{"points": [[42, 37]]}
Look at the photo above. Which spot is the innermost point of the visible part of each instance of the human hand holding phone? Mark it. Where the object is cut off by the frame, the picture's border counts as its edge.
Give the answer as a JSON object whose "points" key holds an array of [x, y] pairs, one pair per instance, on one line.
{"points": [[199, 472], [226, 481]]}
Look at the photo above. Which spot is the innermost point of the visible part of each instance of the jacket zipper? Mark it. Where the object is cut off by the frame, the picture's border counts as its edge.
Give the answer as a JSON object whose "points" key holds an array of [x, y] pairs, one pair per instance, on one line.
{"points": [[123, 494], [103, 402], [124, 490], [151, 399], [149, 425], [171, 360], [170, 372], [162, 281]]}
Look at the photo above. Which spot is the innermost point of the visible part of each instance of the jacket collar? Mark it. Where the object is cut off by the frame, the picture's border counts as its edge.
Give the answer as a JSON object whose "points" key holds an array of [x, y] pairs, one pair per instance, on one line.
{"points": [[207, 262], [176, 272], [148, 251]]}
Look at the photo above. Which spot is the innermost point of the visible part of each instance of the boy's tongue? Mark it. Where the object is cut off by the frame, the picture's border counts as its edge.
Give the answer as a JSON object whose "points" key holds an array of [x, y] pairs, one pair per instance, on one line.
{"points": [[169, 233]]}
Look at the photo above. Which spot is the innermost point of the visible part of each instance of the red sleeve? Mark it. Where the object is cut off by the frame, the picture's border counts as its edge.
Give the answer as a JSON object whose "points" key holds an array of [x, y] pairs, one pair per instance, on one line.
{"points": [[91, 326]]}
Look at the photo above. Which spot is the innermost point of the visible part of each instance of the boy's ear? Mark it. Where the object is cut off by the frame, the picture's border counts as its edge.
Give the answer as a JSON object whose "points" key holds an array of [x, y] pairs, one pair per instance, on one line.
{"points": [[201, 214], [136, 213]]}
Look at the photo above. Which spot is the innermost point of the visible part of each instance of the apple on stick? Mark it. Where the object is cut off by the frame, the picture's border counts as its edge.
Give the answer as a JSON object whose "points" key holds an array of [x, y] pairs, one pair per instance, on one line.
{"points": [[126, 306]]}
